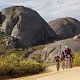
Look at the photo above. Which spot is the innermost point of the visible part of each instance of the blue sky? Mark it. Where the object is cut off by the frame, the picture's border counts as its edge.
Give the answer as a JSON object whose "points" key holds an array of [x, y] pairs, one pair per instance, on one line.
{"points": [[48, 9]]}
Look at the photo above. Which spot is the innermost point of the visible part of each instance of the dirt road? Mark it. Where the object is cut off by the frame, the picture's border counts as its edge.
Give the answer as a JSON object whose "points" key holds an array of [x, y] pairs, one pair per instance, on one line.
{"points": [[51, 73], [70, 74]]}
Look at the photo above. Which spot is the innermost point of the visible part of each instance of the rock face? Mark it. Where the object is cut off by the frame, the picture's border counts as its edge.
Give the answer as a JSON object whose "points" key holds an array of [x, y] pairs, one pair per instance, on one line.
{"points": [[10, 43], [76, 37], [26, 25], [52, 49], [0, 18], [65, 27]]}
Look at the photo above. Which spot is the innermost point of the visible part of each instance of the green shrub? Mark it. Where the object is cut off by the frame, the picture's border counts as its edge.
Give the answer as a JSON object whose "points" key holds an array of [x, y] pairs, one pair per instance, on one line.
{"points": [[14, 61], [12, 64], [30, 66], [37, 57], [76, 61], [8, 63]]}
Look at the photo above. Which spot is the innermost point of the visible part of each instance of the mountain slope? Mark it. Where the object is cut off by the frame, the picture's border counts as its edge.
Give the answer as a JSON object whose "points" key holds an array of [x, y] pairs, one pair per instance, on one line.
{"points": [[26, 25], [66, 27]]}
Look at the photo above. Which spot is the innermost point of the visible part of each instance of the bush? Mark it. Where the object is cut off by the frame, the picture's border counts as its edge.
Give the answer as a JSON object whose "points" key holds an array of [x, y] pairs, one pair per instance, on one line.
{"points": [[30, 66], [12, 64], [13, 61], [8, 63], [76, 61], [37, 57]]}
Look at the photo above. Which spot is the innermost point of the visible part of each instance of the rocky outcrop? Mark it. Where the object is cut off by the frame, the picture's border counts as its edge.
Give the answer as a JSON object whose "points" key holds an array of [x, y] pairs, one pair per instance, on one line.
{"points": [[76, 37], [0, 18], [52, 49], [10, 43], [65, 27], [26, 25]]}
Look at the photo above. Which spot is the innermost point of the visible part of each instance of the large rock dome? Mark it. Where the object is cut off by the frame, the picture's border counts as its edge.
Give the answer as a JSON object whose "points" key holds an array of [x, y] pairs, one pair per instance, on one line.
{"points": [[26, 25], [65, 27]]}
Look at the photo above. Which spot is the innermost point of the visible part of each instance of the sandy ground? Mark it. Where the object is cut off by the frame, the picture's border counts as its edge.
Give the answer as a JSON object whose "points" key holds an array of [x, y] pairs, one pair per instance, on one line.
{"points": [[70, 74], [51, 73]]}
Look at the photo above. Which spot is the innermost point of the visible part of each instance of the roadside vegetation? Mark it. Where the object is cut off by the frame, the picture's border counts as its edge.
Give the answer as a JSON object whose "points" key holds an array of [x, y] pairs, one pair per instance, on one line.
{"points": [[76, 61], [13, 65], [14, 62]]}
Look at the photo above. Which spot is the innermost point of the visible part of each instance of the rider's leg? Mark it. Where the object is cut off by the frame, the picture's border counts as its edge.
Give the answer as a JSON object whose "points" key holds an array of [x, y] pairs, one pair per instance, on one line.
{"points": [[63, 64], [57, 66], [66, 63], [71, 63]]}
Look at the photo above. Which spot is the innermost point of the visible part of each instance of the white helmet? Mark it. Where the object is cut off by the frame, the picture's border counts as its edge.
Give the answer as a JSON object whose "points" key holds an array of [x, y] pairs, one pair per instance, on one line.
{"points": [[66, 47]]}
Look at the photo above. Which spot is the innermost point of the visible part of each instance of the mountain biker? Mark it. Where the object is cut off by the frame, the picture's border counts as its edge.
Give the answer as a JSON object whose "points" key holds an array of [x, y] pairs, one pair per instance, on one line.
{"points": [[62, 60], [57, 61], [68, 57]]}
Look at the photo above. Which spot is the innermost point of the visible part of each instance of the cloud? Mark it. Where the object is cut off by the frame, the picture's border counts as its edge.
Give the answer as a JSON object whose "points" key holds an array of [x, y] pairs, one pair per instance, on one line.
{"points": [[49, 9]]}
